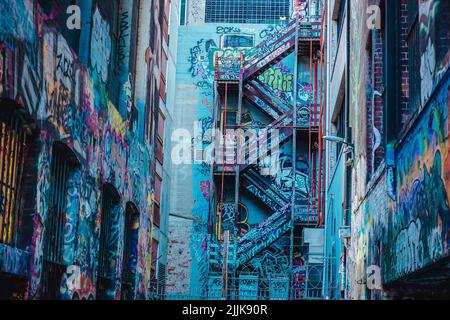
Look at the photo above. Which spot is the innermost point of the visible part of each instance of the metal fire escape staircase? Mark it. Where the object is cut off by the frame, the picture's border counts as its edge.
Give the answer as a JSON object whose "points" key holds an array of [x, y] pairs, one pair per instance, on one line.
{"points": [[279, 45], [264, 235], [256, 61]]}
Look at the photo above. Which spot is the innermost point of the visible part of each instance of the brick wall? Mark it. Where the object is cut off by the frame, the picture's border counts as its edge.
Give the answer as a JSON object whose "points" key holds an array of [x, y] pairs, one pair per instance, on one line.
{"points": [[179, 255], [403, 50]]}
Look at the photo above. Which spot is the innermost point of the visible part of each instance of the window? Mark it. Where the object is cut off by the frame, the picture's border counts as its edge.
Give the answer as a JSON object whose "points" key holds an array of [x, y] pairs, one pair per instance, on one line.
{"points": [[161, 279], [109, 241], [375, 52], [62, 166], [13, 146], [109, 12], [165, 23], [369, 92], [158, 184], [246, 11], [159, 151], [130, 255], [157, 215], [413, 41], [164, 64], [160, 139], [340, 20], [161, 121], [237, 41], [442, 34]]}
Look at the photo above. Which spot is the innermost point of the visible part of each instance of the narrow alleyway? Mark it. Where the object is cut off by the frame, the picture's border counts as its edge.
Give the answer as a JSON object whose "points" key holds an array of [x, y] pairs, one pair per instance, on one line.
{"points": [[224, 150]]}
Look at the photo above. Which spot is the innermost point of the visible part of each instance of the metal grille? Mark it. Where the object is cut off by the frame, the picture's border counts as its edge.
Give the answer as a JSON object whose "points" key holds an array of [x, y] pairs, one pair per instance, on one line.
{"points": [[62, 164], [314, 277], [54, 236], [161, 278], [341, 16], [246, 11], [51, 280], [13, 140], [108, 239]]}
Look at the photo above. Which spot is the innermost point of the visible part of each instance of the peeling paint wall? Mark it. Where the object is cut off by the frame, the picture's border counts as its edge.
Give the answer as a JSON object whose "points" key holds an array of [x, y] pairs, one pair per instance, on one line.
{"points": [[190, 229]]}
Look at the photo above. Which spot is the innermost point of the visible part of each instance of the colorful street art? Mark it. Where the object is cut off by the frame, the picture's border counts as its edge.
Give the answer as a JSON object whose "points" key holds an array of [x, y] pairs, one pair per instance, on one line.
{"points": [[410, 233], [70, 101]]}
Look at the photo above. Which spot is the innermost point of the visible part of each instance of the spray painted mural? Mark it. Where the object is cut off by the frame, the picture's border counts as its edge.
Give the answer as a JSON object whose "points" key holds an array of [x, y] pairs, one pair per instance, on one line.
{"points": [[400, 220], [196, 228], [421, 224], [69, 100], [411, 233]]}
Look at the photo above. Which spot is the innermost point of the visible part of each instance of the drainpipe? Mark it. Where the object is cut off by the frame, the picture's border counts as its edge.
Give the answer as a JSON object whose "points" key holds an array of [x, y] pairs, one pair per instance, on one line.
{"points": [[348, 172], [140, 79]]}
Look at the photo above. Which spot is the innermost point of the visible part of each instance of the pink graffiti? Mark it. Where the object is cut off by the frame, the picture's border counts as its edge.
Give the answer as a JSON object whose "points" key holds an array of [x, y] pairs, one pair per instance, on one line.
{"points": [[204, 187]]}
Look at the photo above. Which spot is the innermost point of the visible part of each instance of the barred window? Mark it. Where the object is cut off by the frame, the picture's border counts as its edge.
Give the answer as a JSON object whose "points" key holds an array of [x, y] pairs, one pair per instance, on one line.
{"points": [[237, 41], [63, 164], [13, 145], [246, 11]]}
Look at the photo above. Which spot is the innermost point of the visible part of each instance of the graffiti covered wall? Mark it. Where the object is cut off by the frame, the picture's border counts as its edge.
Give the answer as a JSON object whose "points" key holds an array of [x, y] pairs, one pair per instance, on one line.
{"points": [[400, 220], [72, 100], [419, 230]]}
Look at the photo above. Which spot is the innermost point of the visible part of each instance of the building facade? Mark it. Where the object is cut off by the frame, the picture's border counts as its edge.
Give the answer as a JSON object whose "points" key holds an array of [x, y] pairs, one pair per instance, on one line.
{"points": [[387, 194], [82, 90]]}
